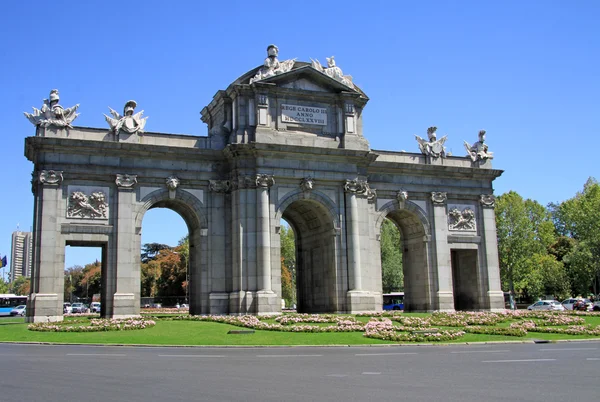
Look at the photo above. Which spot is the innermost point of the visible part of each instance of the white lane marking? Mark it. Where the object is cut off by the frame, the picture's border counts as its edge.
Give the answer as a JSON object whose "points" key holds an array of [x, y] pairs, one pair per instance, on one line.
{"points": [[371, 373], [482, 351], [593, 358], [97, 354], [191, 356], [566, 349], [384, 354], [289, 355], [518, 360], [337, 375]]}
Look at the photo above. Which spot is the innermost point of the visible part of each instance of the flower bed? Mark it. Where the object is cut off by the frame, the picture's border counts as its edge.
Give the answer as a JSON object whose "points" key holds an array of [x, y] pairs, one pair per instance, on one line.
{"points": [[95, 325]]}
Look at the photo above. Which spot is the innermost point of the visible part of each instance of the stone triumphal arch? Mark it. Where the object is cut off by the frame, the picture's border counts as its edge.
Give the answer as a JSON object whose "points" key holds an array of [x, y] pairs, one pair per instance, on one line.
{"points": [[285, 141]]}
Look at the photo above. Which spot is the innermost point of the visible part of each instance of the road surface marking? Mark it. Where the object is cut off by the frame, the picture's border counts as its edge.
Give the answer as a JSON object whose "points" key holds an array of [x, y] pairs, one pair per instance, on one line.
{"points": [[593, 358], [371, 373], [385, 354], [97, 354], [191, 356], [518, 360], [566, 349], [289, 355], [482, 351], [337, 375]]}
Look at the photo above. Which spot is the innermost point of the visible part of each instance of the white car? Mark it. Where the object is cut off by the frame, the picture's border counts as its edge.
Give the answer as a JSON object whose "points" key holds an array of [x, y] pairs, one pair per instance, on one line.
{"points": [[549, 305], [568, 303], [18, 311], [95, 307]]}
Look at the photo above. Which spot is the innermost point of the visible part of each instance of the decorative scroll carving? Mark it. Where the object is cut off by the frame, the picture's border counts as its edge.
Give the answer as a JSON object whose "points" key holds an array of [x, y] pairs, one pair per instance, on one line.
{"points": [[487, 200], [272, 66], [129, 122], [126, 180], [264, 180], [51, 177], [307, 184], [333, 71], [172, 183], [461, 220], [219, 186], [438, 197], [94, 206], [53, 114], [434, 148], [479, 150]]}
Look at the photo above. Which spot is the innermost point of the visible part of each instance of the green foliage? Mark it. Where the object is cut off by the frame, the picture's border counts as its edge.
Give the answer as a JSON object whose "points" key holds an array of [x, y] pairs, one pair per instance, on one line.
{"points": [[525, 234], [288, 265], [3, 286], [20, 286], [151, 250], [391, 258]]}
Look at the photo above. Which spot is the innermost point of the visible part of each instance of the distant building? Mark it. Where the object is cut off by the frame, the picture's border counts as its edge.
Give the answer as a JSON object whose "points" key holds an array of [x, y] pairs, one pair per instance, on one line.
{"points": [[21, 254]]}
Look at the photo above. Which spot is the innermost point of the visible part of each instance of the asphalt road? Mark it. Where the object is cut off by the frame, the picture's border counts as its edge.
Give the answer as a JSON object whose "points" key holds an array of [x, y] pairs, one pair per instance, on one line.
{"points": [[465, 373]]}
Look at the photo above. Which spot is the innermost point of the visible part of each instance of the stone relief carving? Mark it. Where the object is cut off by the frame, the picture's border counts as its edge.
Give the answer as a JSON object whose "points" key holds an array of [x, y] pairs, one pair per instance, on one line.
{"points": [[434, 147], [402, 195], [126, 180], [360, 187], [50, 176], [307, 184], [53, 114], [479, 150], [272, 66], [129, 122], [461, 220], [172, 183], [333, 71], [487, 200], [219, 186], [264, 180], [438, 197], [94, 206]]}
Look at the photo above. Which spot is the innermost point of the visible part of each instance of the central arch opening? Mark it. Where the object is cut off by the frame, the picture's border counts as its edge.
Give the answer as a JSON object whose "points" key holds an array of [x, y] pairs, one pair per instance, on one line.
{"points": [[315, 269]]}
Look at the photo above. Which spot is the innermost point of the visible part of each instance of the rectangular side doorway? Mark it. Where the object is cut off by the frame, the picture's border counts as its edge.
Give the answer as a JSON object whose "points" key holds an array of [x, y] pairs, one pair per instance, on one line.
{"points": [[465, 279], [86, 275]]}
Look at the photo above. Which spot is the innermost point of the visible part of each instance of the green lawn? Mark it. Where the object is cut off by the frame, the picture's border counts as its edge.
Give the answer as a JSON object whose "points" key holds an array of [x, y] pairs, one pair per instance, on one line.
{"points": [[193, 333]]}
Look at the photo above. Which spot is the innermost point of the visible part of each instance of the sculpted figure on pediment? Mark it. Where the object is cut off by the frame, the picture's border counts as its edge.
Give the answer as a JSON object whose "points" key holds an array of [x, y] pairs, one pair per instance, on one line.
{"points": [[433, 147], [53, 114], [129, 122], [272, 66], [479, 150], [333, 71]]}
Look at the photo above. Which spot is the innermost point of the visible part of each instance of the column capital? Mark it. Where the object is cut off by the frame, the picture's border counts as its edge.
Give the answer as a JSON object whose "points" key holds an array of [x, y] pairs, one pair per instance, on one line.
{"points": [[264, 180], [439, 197], [219, 186], [50, 177], [487, 200], [126, 181]]}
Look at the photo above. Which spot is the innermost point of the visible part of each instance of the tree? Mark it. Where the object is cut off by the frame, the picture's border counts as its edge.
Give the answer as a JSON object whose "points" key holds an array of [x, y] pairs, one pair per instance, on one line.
{"points": [[579, 218], [20, 286], [3, 286], [73, 278], [525, 234], [151, 250], [391, 258], [92, 279], [288, 265]]}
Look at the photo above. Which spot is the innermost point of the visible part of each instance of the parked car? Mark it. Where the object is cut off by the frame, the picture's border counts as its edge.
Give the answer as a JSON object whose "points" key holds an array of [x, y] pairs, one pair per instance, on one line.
{"points": [[95, 307], [550, 305], [569, 303], [67, 308], [596, 306], [78, 308], [18, 311]]}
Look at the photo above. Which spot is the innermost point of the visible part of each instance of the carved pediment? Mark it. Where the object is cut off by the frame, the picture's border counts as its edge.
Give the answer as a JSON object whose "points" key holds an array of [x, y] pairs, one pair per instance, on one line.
{"points": [[304, 74]]}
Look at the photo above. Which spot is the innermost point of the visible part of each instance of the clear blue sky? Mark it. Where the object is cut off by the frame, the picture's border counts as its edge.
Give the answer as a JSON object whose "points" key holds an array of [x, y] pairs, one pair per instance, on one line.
{"points": [[526, 71]]}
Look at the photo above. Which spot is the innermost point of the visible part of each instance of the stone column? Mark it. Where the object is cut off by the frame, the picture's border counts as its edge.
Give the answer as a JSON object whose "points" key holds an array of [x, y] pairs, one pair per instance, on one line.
{"points": [[47, 285], [263, 182], [494, 288], [352, 187], [126, 271], [444, 295], [219, 298], [238, 203]]}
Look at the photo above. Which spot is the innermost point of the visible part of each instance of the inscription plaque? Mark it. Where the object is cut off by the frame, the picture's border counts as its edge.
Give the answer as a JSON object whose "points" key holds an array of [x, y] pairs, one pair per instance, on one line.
{"points": [[304, 114]]}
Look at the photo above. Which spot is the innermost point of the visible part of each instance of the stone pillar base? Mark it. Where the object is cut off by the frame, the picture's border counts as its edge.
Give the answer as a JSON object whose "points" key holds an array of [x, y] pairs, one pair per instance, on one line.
{"points": [[495, 299], [219, 303], [237, 302], [267, 302], [445, 301], [44, 307], [360, 301], [125, 306]]}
